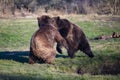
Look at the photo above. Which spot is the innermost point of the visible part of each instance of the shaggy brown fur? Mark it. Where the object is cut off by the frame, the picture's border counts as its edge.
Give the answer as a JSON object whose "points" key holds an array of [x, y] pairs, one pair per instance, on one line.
{"points": [[74, 37], [42, 43]]}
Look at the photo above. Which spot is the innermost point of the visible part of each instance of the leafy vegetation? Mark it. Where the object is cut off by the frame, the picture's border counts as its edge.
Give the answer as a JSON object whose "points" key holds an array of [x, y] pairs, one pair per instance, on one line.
{"points": [[13, 7], [14, 49]]}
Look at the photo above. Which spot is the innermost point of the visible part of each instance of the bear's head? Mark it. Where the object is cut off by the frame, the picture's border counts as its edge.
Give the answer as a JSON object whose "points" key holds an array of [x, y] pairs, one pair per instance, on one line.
{"points": [[62, 25], [59, 23], [43, 20], [55, 21]]}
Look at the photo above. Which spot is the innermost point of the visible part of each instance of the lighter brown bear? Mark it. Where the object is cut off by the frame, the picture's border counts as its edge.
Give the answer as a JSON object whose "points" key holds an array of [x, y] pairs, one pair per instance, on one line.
{"points": [[42, 42]]}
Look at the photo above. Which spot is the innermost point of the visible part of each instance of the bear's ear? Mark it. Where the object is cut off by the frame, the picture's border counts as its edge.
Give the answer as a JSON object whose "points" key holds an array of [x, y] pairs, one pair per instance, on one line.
{"points": [[58, 18], [47, 17], [38, 18]]}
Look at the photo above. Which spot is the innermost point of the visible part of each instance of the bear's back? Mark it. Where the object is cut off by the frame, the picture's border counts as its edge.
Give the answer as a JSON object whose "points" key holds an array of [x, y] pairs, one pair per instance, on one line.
{"points": [[44, 37]]}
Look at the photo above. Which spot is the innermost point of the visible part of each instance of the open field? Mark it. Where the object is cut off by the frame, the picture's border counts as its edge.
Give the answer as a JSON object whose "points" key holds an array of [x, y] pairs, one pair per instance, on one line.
{"points": [[15, 35]]}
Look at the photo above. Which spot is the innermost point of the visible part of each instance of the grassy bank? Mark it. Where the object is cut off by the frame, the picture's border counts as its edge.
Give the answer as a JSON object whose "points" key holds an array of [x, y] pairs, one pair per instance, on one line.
{"points": [[15, 36]]}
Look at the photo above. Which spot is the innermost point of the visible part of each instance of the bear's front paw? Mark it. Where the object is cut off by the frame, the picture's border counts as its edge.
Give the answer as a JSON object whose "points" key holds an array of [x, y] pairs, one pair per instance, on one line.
{"points": [[59, 50]]}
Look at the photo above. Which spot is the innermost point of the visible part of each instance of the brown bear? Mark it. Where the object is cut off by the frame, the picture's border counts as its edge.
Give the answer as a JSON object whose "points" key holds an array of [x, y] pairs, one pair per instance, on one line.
{"points": [[42, 42], [103, 37], [115, 35], [74, 36]]}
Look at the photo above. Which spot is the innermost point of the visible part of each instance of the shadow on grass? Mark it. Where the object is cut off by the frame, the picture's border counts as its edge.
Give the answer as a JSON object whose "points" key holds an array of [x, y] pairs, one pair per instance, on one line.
{"points": [[19, 56], [61, 56], [20, 77]]}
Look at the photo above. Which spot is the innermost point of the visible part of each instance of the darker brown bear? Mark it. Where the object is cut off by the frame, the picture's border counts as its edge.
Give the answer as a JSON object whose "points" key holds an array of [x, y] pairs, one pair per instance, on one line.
{"points": [[42, 42], [74, 37]]}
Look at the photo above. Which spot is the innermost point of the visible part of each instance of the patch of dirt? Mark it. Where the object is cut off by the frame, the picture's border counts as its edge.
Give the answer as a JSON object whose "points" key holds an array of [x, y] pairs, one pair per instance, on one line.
{"points": [[111, 68], [106, 68]]}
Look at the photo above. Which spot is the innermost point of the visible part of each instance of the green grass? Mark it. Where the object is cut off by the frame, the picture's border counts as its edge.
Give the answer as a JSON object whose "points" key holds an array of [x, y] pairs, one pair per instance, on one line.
{"points": [[15, 38], [16, 34]]}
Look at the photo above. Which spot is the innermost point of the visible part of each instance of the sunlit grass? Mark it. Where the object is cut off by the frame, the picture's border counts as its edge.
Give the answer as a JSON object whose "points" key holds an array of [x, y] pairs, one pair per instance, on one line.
{"points": [[16, 33], [15, 38]]}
